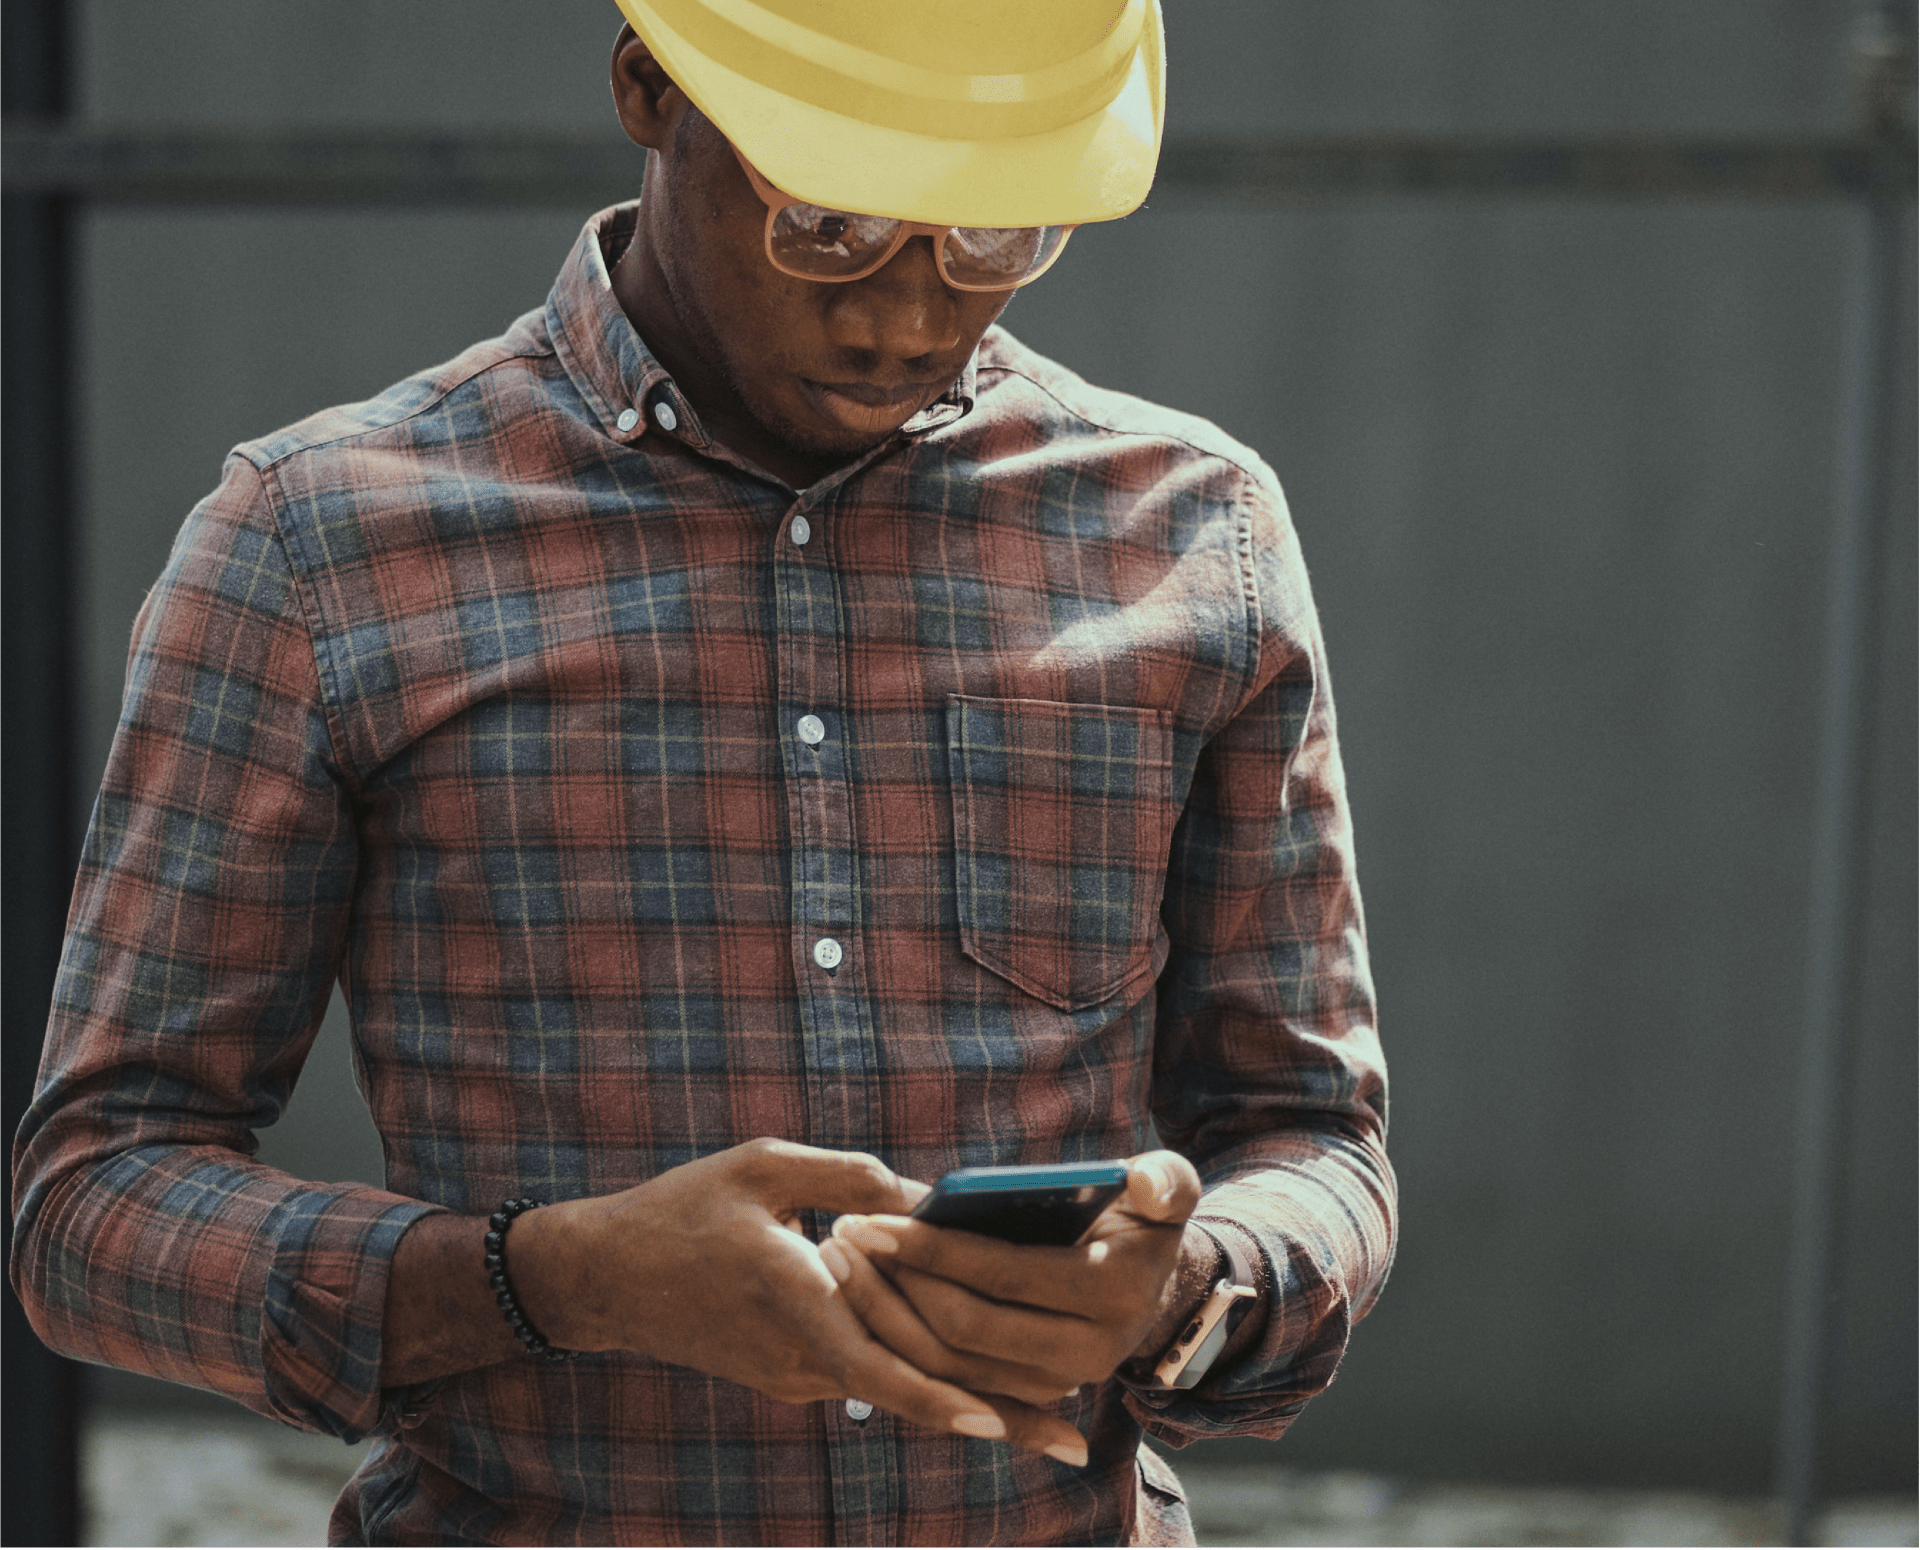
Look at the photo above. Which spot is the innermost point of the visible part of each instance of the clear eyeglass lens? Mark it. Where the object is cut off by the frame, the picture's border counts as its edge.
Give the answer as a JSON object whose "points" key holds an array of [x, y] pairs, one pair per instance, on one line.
{"points": [[824, 242], [997, 256]]}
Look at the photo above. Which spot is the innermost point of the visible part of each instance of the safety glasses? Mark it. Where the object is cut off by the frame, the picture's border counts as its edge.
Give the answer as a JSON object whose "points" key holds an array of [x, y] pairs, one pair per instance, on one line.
{"points": [[812, 243]]}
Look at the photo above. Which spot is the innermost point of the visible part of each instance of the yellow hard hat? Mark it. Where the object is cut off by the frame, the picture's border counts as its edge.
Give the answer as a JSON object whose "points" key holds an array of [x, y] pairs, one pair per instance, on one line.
{"points": [[956, 112]]}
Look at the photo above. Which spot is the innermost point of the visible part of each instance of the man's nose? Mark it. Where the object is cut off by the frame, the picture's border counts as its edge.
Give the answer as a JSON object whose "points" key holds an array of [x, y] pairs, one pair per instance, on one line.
{"points": [[902, 310]]}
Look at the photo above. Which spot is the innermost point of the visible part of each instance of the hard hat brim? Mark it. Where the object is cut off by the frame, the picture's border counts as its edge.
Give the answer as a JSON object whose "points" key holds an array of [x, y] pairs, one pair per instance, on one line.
{"points": [[1098, 168]]}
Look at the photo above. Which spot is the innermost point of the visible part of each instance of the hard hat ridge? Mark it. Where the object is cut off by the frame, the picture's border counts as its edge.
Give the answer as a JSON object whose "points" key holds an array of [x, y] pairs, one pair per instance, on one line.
{"points": [[988, 113]]}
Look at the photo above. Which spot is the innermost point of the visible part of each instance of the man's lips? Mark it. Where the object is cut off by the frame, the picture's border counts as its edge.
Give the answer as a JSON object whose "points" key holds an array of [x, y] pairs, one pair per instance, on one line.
{"points": [[867, 406]]}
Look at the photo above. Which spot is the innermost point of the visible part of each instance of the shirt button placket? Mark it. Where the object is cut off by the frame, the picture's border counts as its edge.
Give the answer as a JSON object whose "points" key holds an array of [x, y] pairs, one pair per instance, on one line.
{"points": [[821, 804], [837, 1035], [815, 757]]}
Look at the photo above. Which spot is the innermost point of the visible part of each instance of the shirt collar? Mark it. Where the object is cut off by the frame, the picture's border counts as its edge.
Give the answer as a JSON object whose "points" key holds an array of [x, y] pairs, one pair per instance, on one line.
{"points": [[610, 363], [954, 404], [628, 390]]}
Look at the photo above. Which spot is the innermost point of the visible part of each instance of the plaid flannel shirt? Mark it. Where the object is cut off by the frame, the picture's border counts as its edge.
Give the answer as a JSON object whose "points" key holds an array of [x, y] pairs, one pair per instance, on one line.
{"points": [[485, 697]]}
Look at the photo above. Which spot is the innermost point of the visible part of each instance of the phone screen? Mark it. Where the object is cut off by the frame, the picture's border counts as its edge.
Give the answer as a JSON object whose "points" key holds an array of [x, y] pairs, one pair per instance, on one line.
{"points": [[1047, 1203]]}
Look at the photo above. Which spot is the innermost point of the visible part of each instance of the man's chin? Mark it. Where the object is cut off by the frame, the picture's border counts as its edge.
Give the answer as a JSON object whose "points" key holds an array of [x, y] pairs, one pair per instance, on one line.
{"points": [[814, 439], [801, 422]]}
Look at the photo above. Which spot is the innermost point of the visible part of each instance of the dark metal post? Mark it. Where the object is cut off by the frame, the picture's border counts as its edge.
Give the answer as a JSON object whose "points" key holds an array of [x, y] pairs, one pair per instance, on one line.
{"points": [[41, 1505], [1837, 902]]}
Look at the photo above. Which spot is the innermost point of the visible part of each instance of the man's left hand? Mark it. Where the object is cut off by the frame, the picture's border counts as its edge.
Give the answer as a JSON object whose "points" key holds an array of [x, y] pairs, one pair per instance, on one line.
{"points": [[1030, 1321]]}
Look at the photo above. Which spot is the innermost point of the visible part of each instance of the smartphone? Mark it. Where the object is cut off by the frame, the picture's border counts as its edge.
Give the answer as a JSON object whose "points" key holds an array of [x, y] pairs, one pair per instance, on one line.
{"points": [[1047, 1203]]}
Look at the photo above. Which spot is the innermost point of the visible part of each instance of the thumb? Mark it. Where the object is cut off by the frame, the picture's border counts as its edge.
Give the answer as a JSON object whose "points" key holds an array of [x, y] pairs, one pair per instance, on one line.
{"points": [[1162, 1187], [813, 1178]]}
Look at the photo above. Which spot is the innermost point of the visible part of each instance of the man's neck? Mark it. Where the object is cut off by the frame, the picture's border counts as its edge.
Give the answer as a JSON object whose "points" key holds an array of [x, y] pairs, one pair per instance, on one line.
{"points": [[641, 289]]}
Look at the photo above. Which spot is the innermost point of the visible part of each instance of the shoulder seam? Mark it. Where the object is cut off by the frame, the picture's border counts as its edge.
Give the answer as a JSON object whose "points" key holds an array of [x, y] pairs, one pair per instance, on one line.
{"points": [[308, 610], [1250, 587]]}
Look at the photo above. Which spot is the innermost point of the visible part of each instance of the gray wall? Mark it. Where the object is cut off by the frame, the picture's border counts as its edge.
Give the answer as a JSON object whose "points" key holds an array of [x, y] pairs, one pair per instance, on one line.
{"points": [[1563, 472]]}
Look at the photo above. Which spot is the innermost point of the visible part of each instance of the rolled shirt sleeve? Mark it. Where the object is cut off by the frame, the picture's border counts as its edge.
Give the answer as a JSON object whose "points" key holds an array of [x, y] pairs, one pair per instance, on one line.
{"points": [[1268, 1072], [206, 931]]}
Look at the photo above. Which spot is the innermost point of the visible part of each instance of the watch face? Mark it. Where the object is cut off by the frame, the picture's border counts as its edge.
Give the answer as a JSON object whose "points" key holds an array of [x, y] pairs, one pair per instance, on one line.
{"points": [[1205, 1336]]}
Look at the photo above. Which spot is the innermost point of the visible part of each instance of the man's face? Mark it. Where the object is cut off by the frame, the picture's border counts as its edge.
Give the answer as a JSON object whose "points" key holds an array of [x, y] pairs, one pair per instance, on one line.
{"points": [[826, 370]]}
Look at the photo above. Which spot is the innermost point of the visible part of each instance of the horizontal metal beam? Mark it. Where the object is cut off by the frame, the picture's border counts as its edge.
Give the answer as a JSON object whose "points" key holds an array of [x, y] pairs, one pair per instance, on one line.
{"points": [[570, 169], [1645, 168], [356, 168]]}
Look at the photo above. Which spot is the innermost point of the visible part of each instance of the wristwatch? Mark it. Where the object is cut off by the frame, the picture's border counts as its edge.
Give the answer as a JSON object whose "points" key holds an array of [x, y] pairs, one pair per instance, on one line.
{"points": [[1205, 1335]]}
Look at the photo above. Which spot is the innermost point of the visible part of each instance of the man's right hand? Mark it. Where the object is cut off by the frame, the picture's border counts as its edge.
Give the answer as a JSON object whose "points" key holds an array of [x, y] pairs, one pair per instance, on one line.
{"points": [[704, 1266]]}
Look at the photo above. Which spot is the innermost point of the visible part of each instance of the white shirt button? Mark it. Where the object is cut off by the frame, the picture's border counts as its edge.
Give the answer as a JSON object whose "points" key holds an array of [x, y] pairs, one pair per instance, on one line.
{"points": [[858, 1410], [665, 417], [628, 419], [826, 953], [811, 729], [801, 530]]}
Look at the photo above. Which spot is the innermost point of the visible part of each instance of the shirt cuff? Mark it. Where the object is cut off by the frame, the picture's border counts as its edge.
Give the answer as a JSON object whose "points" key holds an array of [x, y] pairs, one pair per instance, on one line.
{"points": [[1177, 1416], [325, 1304]]}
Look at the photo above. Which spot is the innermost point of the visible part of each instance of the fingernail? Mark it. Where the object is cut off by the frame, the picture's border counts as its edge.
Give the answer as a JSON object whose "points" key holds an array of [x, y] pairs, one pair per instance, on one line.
{"points": [[1074, 1453], [1162, 1184], [984, 1423], [864, 1233], [842, 1225], [835, 1259]]}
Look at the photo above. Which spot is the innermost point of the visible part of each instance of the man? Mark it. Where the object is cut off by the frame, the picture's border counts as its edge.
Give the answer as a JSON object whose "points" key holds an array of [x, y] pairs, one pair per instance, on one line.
{"points": [[750, 739]]}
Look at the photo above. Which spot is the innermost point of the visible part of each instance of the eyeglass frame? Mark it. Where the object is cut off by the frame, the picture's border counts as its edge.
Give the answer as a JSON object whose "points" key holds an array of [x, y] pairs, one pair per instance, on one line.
{"points": [[777, 200]]}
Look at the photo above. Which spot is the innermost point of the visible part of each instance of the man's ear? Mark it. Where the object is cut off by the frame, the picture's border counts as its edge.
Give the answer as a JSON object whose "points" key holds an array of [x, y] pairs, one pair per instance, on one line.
{"points": [[644, 95]]}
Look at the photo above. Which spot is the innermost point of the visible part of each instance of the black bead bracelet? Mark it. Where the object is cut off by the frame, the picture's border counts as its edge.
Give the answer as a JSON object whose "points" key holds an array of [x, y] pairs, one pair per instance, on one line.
{"points": [[496, 1263]]}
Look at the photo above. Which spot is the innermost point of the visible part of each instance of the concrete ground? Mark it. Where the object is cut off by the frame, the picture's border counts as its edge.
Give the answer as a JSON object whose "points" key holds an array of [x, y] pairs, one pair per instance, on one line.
{"points": [[195, 1479]]}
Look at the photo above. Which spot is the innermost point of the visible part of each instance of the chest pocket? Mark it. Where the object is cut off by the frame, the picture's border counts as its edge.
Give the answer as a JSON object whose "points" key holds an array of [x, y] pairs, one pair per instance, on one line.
{"points": [[1062, 815]]}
